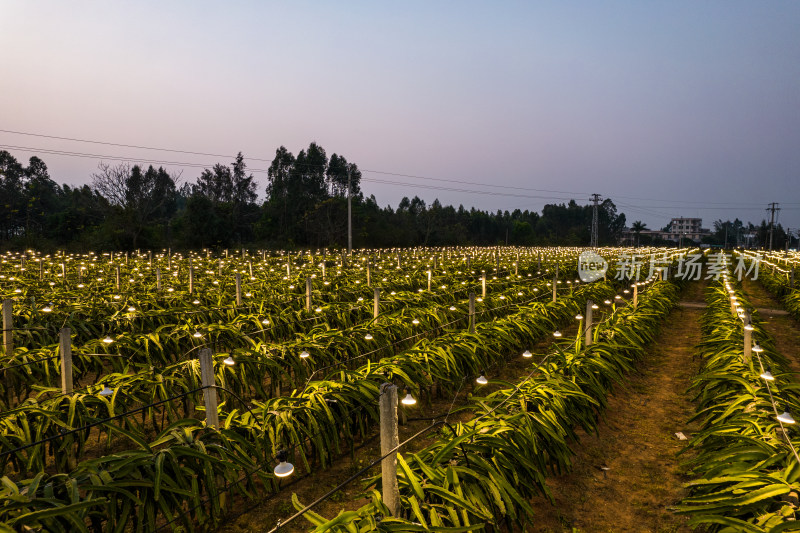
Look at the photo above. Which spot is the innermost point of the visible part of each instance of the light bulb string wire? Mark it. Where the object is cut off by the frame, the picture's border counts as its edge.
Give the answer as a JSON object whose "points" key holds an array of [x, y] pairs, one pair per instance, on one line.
{"points": [[128, 295], [394, 344], [256, 418], [65, 433], [276, 326], [389, 454], [769, 389], [777, 416], [355, 476], [41, 404], [538, 366], [163, 313], [260, 466]]}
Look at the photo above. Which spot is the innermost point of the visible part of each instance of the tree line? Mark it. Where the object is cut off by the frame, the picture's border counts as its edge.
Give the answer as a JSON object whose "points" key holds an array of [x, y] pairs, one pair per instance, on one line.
{"points": [[129, 206]]}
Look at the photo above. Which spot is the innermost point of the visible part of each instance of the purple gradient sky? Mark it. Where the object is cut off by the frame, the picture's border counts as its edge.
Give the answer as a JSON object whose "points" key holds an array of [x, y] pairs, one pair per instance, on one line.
{"points": [[663, 106]]}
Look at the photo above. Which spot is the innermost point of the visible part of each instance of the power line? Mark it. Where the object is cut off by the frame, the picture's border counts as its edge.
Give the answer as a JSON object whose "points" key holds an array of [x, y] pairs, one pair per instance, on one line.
{"points": [[70, 153], [125, 145]]}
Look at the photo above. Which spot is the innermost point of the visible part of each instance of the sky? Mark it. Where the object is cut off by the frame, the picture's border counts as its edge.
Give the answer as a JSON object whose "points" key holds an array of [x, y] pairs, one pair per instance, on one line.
{"points": [[678, 108]]}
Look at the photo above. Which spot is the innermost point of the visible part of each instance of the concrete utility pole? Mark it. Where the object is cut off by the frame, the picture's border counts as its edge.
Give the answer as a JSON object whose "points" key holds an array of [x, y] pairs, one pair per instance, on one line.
{"points": [[595, 198], [349, 216], [772, 208]]}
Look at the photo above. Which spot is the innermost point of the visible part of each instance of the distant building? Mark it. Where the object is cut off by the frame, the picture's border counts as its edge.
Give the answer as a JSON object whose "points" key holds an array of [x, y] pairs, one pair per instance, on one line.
{"points": [[687, 228], [677, 230]]}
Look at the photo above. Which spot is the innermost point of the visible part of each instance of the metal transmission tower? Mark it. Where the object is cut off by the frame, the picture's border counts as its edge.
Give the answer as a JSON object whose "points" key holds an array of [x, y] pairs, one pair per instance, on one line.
{"points": [[595, 198], [772, 208]]}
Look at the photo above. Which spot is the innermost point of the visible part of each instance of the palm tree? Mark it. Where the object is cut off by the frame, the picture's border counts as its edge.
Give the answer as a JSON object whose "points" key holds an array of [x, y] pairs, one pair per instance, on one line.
{"points": [[637, 228]]}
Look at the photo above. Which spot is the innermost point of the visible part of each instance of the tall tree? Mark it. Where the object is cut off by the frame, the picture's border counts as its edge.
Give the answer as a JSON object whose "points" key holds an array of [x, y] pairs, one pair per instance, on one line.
{"points": [[337, 177], [637, 228], [12, 198], [279, 175], [138, 199]]}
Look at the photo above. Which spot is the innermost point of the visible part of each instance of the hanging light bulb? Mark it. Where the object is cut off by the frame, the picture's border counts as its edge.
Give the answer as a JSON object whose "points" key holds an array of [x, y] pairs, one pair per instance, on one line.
{"points": [[415, 321], [408, 399], [197, 335], [131, 309], [368, 336], [757, 348], [556, 333], [595, 306], [265, 322], [786, 418], [47, 308], [108, 340], [284, 468], [304, 354], [229, 361], [106, 391], [196, 302], [452, 307], [482, 380], [607, 302], [767, 375], [527, 354], [579, 317]]}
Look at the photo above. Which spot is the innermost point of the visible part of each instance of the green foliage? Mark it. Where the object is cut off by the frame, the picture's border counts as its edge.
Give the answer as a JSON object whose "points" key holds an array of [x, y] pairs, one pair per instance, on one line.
{"points": [[743, 465], [481, 474]]}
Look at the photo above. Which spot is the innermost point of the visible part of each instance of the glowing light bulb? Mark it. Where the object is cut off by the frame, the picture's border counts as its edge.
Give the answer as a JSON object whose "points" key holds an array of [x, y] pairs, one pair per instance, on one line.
{"points": [[368, 336], [556, 334], [527, 354], [408, 400], [229, 361], [284, 468], [108, 340], [482, 380], [304, 354]]}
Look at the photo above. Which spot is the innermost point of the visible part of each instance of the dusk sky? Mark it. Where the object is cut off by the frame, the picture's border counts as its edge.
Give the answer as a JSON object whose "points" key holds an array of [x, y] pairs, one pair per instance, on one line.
{"points": [[679, 108]]}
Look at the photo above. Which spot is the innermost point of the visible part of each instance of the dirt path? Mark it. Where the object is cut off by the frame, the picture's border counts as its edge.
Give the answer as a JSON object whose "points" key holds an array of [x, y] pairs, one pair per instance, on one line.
{"points": [[783, 328], [626, 477]]}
